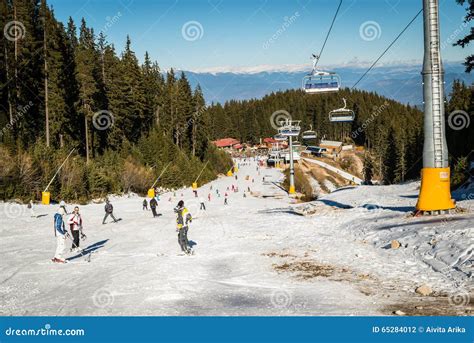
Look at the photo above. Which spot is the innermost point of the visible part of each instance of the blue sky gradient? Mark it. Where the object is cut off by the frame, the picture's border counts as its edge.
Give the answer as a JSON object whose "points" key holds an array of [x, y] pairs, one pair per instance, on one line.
{"points": [[239, 33]]}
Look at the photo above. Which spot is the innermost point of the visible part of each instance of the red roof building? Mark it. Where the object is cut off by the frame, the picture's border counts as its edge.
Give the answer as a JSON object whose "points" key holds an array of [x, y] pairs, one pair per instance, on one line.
{"points": [[226, 142]]}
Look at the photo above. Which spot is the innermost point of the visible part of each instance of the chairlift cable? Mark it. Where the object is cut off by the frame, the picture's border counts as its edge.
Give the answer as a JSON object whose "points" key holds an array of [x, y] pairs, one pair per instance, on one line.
{"points": [[388, 48], [329, 32]]}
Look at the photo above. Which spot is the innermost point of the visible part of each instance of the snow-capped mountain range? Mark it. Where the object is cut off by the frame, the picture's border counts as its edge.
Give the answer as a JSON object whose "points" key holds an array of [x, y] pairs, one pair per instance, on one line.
{"points": [[397, 80]]}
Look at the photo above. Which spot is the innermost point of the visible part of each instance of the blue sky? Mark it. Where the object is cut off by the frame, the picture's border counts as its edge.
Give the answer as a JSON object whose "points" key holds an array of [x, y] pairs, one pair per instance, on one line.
{"points": [[242, 33]]}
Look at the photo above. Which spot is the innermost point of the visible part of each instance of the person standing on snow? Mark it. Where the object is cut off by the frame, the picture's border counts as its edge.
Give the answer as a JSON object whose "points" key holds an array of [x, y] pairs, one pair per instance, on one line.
{"points": [[203, 205], [145, 205], [109, 211], [60, 233], [75, 225], [225, 198], [183, 218], [62, 208], [153, 205]]}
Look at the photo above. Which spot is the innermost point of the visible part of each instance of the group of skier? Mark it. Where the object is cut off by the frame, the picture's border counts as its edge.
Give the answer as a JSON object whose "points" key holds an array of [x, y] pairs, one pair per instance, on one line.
{"points": [[74, 222], [65, 222]]}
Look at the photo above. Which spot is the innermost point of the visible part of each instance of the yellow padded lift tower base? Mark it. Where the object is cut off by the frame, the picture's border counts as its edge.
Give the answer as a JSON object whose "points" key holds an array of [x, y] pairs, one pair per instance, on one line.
{"points": [[229, 173], [151, 193], [195, 186], [45, 198], [435, 192], [292, 190]]}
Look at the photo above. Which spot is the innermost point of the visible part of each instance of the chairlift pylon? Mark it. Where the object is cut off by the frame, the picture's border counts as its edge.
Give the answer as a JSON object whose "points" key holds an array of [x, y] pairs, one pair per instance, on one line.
{"points": [[342, 115]]}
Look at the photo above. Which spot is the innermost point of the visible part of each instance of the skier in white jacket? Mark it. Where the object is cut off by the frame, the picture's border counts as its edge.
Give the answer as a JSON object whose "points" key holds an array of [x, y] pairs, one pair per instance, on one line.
{"points": [[75, 225]]}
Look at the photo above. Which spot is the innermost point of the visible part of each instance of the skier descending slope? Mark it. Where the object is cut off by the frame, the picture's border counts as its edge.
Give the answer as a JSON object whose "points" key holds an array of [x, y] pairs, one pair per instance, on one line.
{"points": [[183, 218], [61, 234]]}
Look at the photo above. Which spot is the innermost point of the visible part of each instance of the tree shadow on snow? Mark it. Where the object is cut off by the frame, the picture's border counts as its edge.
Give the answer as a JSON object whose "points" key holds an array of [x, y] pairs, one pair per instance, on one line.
{"points": [[192, 243], [89, 249]]}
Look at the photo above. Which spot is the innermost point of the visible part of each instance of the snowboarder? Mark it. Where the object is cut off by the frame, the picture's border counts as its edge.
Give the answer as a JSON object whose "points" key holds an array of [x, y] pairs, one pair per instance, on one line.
{"points": [[183, 218], [145, 205], [75, 225], [60, 233], [225, 198], [203, 206], [153, 205], [109, 211]]}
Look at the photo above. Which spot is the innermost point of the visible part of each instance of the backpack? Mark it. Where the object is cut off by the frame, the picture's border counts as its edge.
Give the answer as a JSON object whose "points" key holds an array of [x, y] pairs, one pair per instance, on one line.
{"points": [[59, 223]]}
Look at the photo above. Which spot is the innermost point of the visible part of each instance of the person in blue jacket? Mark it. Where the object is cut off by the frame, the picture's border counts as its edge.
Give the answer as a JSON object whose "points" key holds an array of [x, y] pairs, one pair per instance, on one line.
{"points": [[61, 235]]}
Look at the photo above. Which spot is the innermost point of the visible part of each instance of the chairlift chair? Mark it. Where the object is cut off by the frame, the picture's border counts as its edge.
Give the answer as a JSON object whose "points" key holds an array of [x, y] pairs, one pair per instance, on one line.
{"points": [[309, 134], [279, 137], [342, 115], [290, 129], [296, 144], [319, 81]]}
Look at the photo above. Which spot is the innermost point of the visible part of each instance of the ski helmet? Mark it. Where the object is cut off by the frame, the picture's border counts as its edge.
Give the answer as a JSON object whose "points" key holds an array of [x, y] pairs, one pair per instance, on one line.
{"points": [[181, 203]]}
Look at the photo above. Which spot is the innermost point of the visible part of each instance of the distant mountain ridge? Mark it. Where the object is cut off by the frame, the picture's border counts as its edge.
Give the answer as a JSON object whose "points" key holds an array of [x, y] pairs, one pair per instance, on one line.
{"points": [[398, 81]]}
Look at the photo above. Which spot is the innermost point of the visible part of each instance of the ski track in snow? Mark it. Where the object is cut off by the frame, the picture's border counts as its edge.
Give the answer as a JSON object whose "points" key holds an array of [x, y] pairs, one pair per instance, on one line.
{"points": [[137, 268]]}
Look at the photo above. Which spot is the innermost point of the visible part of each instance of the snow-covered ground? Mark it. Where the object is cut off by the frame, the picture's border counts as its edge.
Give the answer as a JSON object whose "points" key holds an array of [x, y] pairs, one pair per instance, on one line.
{"points": [[255, 256]]}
